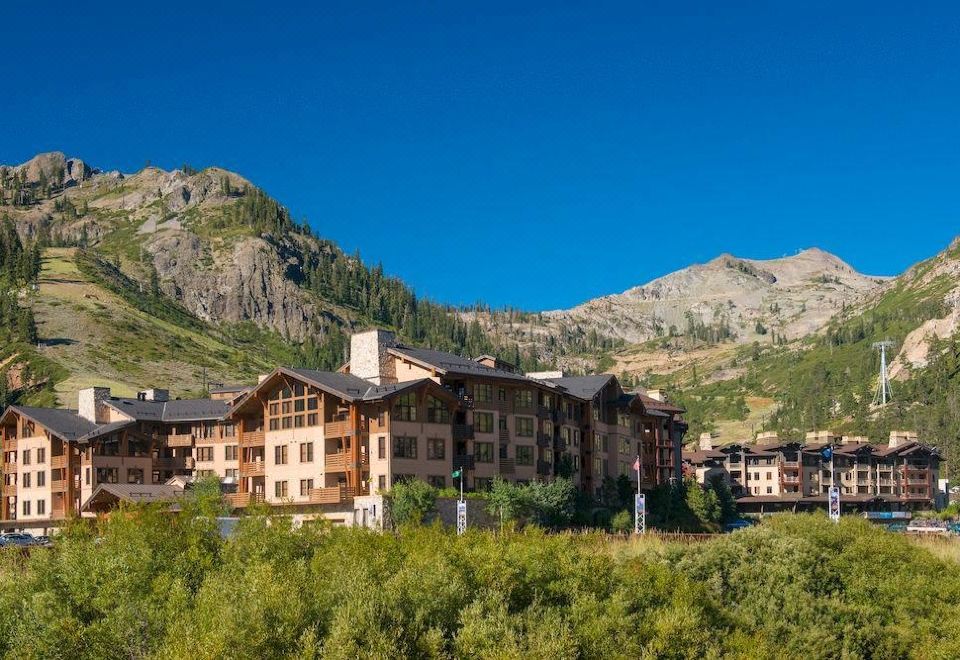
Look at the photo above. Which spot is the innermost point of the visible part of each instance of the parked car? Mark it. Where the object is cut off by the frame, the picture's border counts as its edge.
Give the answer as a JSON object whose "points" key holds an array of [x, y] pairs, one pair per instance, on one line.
{"points": [[42, 539], [17, 539]]}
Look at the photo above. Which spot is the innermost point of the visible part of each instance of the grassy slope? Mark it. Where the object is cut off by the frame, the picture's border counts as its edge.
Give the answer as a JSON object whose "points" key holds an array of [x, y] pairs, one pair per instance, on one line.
{"points": [[99, 338]]}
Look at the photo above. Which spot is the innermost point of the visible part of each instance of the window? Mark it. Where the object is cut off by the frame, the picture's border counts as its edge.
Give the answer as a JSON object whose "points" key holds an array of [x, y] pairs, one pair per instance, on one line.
{"points": [[565, 436], [306, 452], [87, 477], [598, 467], [280, 455], [381, 447], [231, 473], [501, 394], [26, 507], [484, 422], [524, 427], [280, 488], [524, 399], [405, 447], [769, 489], [406, 408], [437, 481], [769, 475], [576, 437], [107, 475], [524, 455], [548, 456], [306, 485], [437, 411], [204, 454], [26, 480], [207, 430], [26, 457], [41, 455], [436, 449], [230, 452], [228, 430], [624, 445], [41, 479], [382, 483], [284, 402], [502, 423], [483, 392], [483, 452], [403, 478], [483, 483], [41, 507]]}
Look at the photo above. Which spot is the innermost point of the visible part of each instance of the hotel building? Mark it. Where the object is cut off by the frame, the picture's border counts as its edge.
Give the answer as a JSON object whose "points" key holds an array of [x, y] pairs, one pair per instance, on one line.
{"points": [[301, 437]]}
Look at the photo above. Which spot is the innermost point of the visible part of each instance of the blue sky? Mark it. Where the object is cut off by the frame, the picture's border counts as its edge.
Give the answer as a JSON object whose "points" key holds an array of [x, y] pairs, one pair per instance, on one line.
{"points": [[532, 156]]}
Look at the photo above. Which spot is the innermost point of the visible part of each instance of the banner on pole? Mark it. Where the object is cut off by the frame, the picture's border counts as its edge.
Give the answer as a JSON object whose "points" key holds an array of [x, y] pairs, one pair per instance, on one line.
{"points": [[640, 514], [834, 501], [461, 517]]}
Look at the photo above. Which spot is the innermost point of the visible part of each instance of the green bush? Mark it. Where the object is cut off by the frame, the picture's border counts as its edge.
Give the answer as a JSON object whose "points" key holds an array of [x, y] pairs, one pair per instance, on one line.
{"points": [[146, 583], [622, 522], [411, 502]]}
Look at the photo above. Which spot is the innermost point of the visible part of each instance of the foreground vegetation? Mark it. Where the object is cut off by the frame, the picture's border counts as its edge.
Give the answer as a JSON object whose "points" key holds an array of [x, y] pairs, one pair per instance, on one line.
{"points": [[155, 585]]}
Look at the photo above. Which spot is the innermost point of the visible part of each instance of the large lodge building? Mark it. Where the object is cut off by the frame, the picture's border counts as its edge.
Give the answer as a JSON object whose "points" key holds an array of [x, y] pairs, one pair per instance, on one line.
{"points": [[302, 437], [772, 475]]}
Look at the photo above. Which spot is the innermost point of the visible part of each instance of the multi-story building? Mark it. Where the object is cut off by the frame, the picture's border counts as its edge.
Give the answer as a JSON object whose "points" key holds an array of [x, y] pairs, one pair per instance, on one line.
{"points": [[304, 437], [771, 475]]}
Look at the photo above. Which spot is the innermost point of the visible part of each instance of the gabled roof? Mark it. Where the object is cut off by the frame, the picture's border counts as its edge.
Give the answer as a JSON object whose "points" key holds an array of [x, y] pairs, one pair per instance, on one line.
{"points": [[175, 410], [136, 493], [451, 363], [656, 404], [583, 387], [63, 423], [347, 386]]}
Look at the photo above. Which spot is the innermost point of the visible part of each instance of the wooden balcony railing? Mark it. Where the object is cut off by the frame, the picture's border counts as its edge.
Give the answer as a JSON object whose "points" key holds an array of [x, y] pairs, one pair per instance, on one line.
{"points": [[507, 465], [253, 469], [338, 429], [254, 439], [238, 500], [180, 440], [9, 468], [58, 485], [331, 495], [339, 461], [58, 462]]}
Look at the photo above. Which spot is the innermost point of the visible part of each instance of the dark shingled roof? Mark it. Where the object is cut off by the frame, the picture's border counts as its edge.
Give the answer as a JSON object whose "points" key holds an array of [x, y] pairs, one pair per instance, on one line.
{"points": [[450, 363], [582, 387], [66, 424], [354, 388], [176, 410]]}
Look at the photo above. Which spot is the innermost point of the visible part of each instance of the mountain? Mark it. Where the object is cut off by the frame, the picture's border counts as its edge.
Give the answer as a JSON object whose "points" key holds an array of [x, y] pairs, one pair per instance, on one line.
{"points": [[793, 296], [205, 253]]}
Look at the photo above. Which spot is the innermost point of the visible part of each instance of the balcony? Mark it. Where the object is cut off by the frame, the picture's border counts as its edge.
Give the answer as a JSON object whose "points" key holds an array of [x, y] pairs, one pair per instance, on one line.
{"points": [[790, 480], [9, 468], [507, 466], [58, 462], [463, 461], [504, 436], [239, 500], [253, 469], [253, 439], [463, 432], [338, 429], [544, 468], [339, 461], [58, 485], [331, 495], [918, 482], [181, 440], [544, 440]]}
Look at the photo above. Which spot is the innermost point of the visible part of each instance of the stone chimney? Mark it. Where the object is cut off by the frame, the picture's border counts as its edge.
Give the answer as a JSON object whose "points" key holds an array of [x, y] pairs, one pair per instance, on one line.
{"points": [[821, 436], [900, 438], [368, 356], [768, 438], [154, 394], [706, 441], [90, 404]]}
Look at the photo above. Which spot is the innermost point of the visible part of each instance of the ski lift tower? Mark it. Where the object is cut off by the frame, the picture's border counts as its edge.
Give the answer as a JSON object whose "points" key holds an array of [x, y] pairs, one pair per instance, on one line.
{"points": [[883, 394]]}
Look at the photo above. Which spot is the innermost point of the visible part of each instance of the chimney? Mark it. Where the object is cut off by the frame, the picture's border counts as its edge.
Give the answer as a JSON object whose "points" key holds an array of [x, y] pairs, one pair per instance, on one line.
{"points": [[368, 356], [821, 436], [900, 438], [659, 395], [706, 441], [90, 404], [768, 438], [154, 394]]}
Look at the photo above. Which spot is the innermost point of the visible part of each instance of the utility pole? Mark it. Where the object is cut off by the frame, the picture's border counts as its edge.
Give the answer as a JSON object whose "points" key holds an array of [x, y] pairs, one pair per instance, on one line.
{"points": [[883, 394]]}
